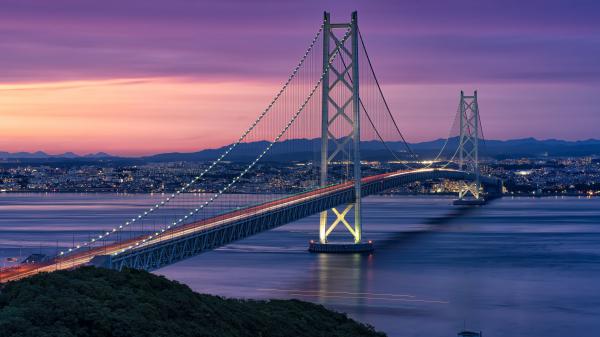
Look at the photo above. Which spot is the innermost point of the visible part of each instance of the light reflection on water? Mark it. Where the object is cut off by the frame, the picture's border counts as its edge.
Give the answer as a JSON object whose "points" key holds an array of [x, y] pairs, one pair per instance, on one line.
{"points": [[517, 267]]}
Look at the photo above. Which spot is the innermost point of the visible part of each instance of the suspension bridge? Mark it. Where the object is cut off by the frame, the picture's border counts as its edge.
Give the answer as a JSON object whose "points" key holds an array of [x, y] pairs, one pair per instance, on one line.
{"points": [[329, 93]]}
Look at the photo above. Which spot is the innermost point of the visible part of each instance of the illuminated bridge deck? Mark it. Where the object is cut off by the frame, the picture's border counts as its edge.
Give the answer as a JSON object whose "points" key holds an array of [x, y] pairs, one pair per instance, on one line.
{"points": [[194, 238]]}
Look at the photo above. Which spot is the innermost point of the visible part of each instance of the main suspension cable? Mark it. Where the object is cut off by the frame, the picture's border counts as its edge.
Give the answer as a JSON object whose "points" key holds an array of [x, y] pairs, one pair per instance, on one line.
{"points": [[238, 177], [214, 163], [411, 152]]}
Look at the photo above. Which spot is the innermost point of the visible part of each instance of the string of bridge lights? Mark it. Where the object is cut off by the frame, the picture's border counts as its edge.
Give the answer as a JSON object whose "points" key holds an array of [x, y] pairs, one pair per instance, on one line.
{"points": [[214, 163], [238, 177]]}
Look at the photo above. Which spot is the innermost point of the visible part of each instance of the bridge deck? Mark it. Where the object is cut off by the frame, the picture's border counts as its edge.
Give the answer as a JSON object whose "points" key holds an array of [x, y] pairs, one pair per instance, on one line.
{"points": [[193, 238]]}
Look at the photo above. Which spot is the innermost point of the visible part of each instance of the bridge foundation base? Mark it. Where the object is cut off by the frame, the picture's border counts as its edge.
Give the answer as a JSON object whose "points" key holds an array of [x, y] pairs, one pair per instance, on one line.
{"points": [[363, 247], [469, 202]]}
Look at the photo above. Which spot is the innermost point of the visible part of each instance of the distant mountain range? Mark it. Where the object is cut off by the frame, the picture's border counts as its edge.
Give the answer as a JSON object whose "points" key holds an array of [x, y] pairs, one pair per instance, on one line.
{"points": [[44, 155], [305, 149]]}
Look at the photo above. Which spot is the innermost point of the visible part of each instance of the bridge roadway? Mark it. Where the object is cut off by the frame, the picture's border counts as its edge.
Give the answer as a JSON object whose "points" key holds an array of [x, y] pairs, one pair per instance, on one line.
{"points": [[191, 239]]}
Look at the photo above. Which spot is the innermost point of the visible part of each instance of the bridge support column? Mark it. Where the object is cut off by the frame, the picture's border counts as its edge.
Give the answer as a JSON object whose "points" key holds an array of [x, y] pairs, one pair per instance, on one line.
{"points": [[468, 149], [340, 133]]}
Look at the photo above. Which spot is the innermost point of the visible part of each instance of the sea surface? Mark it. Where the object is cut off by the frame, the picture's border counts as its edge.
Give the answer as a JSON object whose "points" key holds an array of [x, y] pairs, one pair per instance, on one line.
{"points": [[515, 267]]}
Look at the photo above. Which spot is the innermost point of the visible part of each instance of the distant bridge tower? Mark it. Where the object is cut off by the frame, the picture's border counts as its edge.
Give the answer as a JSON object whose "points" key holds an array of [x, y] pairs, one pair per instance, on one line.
{"points": [[469, 147], [340, 131]]}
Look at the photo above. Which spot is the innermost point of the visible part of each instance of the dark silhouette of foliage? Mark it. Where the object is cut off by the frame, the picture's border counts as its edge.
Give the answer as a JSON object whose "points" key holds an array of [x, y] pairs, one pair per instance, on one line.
{"points": [[99, 302]]}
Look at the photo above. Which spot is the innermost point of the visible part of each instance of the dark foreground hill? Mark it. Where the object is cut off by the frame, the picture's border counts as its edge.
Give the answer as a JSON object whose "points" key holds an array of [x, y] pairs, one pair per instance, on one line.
{"points": [[100, 302]]}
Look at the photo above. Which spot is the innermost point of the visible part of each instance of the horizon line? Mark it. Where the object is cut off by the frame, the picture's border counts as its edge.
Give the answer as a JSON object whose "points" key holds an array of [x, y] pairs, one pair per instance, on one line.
{"points": [[109, 154]]}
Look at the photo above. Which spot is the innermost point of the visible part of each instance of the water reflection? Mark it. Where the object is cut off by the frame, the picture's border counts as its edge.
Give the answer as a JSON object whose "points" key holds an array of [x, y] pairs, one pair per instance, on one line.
{"points": [[526, 267], [342, 278]]}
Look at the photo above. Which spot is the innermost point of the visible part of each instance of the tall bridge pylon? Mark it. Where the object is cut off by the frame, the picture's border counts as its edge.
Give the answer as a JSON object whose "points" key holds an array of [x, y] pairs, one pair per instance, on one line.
{"points": [[340, 131], [468, 146]]}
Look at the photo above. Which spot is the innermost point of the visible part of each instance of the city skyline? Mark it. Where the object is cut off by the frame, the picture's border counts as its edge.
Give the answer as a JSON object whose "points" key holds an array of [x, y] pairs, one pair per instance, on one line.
{"points": [[111, 78]]}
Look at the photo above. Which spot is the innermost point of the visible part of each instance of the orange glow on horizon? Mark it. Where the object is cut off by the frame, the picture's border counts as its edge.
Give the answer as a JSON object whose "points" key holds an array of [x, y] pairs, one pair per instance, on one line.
{"points": [[127, 116], [141, 116]]}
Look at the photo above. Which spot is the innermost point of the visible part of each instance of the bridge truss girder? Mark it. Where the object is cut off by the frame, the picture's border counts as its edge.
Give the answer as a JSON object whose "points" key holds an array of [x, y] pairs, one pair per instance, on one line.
{"points": [[173, 250]]}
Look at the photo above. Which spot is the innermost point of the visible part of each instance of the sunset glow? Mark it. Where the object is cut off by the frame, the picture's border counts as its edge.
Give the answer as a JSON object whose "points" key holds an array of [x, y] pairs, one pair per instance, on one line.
{"points": [[139, 77], [127, 116]]}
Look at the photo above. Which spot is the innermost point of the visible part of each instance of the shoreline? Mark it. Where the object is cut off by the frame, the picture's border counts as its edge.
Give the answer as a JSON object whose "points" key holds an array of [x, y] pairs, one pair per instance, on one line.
{"points": [[449, 194]]}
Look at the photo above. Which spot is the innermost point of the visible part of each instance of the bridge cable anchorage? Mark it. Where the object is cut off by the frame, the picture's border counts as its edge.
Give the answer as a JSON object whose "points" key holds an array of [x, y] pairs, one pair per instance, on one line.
{"points": [[251, 165], [407, 146], [214, 163]]}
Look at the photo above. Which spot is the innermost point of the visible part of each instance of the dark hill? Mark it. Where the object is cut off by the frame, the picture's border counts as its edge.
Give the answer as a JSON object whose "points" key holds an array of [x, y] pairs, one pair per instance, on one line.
{"points": [[100, 302]]}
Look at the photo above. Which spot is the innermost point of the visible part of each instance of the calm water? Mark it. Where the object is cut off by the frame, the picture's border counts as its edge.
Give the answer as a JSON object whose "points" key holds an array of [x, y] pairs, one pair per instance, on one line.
{"points": [[517, 267]]}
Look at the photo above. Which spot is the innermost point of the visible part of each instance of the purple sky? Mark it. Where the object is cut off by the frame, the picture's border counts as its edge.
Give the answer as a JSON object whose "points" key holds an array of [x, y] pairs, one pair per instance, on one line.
{"points": [[536, 64]]}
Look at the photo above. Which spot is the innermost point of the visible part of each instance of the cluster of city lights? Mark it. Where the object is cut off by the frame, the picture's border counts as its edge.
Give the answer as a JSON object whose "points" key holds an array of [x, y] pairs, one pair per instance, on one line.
{"points": [[213, 164]]}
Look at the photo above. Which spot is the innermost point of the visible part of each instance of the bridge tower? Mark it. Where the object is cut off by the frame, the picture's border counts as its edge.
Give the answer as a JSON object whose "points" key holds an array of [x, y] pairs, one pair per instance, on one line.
{"points": [[468, 149], [340, 131]]}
